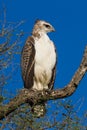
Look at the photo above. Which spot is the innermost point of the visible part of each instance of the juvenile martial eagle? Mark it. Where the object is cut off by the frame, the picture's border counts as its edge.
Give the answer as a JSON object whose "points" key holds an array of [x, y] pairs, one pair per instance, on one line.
{"points": [[39, 58]]}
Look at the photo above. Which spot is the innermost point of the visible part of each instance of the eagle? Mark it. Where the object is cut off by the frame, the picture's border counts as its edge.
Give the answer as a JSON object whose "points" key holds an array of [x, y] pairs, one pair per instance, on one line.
{"points": [[38, 59]]}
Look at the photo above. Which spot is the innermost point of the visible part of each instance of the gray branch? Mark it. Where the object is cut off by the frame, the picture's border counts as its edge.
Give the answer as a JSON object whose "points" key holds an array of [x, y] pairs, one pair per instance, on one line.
{"points": [[38, 96]]}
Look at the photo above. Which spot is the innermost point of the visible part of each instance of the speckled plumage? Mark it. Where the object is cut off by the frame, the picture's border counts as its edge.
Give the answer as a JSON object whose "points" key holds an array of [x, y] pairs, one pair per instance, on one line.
{"points": [[39, 58], [38, 62]]}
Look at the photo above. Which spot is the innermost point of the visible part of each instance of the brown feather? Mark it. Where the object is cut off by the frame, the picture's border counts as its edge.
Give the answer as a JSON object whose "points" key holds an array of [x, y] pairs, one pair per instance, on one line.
{"points": [[27, 63], [52, 80], [51, 83]]}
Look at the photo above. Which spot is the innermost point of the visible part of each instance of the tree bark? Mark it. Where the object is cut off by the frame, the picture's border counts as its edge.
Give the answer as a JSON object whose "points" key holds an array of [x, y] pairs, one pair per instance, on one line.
{"points": [[36, 97]]}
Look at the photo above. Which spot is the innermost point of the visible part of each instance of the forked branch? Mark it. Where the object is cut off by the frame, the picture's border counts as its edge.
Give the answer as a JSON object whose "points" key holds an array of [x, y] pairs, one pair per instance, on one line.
{"points": [[37, 97]]}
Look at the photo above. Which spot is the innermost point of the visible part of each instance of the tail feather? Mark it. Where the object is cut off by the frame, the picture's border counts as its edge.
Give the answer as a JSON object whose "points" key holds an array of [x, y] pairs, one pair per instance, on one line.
{"points": [[39, 110]]}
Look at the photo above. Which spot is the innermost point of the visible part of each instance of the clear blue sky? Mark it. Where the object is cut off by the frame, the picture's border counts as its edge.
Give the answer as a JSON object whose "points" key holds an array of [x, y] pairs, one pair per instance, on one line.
{"points": [[69, 18]]}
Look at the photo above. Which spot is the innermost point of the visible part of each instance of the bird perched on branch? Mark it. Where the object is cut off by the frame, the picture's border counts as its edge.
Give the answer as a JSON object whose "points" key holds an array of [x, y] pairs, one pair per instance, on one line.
{"points": [[38, 61]]}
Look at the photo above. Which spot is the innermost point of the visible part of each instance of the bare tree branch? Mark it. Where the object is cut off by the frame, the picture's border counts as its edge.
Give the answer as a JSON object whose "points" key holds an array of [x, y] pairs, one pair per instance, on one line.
{"points": [[10, 45], [38, 96]]}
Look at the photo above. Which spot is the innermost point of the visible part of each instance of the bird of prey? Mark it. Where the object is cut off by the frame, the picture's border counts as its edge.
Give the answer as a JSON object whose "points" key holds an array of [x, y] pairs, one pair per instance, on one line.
{"points": [[38, 60]]}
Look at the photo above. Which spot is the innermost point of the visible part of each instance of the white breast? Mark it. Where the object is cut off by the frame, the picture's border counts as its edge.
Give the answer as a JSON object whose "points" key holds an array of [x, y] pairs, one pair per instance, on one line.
{"points": [[45, 59]]}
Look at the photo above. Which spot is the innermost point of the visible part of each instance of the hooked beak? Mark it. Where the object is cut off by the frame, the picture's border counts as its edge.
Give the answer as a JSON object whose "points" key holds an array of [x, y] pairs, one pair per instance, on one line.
{"points": [[53, 29]]}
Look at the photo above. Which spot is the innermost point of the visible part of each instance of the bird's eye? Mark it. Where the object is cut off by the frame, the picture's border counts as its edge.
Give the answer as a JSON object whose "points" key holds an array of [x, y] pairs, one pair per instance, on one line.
{"points": [[47, 26]]}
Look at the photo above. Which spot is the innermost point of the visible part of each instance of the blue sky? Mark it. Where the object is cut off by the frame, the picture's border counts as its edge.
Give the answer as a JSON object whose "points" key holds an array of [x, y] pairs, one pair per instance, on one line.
{"points": [[69, 19]]}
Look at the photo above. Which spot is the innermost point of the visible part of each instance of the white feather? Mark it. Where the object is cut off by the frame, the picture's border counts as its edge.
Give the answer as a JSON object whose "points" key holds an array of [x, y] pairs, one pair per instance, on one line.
{"points": [[45, 59]]}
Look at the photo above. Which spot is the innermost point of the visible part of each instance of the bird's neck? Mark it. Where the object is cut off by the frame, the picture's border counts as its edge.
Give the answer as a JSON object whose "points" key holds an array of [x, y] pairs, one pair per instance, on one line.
{"points": [[38, 34]]}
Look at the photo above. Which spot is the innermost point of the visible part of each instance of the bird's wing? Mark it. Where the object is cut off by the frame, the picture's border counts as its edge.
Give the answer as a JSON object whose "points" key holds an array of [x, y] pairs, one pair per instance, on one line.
{"points": [[27, 62], [51, 83]]}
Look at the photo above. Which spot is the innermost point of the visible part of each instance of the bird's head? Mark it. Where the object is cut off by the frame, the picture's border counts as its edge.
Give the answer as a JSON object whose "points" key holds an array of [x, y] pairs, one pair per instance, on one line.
{"points": [[43, 26]]}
